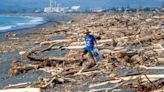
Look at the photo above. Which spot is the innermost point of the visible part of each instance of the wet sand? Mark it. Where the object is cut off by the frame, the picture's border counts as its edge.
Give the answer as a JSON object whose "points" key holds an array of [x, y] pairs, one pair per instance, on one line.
{"points": [[23, 40]]}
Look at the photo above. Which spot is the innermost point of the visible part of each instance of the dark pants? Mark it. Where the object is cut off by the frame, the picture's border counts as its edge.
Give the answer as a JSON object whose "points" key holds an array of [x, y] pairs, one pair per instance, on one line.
{"points": [[85, 51]]}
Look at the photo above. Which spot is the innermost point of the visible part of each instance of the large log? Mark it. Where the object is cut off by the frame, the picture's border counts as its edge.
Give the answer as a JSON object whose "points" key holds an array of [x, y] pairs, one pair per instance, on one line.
{"points": [[18, 69], [107, 89], [152, 68], [160, 60], [104, 83], [53, 60], [22, 90], [73, 47], [119, 53], [158, 90], [56, 41], [104, 40], [51, 47], [127, 78], [148, 38], [76, 70], [88, 73], [56, 80], [19, 85], [143, 77]]}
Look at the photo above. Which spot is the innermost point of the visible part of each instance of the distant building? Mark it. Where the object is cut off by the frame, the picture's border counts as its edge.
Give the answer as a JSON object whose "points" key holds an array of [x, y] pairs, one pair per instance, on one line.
{"points": [[75, 8], [97, 10], [58, 9], [38, 11]]}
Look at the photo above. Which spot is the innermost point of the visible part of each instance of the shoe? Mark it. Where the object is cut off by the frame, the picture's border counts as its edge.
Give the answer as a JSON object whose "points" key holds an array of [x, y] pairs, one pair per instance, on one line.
{"points": [[81, 63]]}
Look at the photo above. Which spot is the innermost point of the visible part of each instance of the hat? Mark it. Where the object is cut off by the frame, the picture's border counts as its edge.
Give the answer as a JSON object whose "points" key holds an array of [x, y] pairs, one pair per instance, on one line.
{"points": [[87, 31]]}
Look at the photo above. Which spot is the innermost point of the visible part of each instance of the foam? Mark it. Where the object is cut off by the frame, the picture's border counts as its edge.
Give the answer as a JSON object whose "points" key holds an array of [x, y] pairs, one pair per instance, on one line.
{"points": [[32, 22], [3, 28]]}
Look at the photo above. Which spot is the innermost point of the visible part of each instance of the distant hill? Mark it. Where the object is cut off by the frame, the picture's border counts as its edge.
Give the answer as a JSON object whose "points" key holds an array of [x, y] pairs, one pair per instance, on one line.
{"points": [[31, 5]]}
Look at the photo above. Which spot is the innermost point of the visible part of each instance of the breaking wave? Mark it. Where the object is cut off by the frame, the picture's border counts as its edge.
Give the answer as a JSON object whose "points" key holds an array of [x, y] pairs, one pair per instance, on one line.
{"points": [[7, 22]]}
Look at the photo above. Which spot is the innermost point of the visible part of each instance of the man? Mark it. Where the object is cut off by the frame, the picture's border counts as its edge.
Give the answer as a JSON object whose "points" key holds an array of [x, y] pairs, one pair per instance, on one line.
{"points": [[90, 42]]}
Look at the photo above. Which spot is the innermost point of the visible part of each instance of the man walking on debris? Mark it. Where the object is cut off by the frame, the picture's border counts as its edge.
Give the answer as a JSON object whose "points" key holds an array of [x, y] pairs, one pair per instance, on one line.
{"points": [[90, 42]]}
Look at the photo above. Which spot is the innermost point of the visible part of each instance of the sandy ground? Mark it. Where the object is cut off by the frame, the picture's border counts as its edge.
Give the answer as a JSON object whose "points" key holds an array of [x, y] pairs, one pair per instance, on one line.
{"points": [[24, 40]]}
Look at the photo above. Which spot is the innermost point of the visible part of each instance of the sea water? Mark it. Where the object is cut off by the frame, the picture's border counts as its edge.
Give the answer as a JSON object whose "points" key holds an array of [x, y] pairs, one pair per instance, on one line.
{"points": [[9, 23]]}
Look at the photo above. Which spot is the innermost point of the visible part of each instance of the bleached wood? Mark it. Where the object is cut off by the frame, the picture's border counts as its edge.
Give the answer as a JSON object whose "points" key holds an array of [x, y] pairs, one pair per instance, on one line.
{"points": [[107, 89], [156, 67], [22, 90], [56, 41], [19, 85], [105, 83]]}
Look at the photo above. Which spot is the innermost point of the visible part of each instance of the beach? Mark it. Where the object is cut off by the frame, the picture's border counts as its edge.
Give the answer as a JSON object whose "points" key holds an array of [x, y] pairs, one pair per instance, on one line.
{"points": [[23, 39], [122, 44]]}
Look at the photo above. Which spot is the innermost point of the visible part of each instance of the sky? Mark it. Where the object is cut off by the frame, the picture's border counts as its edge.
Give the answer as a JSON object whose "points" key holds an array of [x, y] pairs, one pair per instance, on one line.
{"points": [[29, 5]]}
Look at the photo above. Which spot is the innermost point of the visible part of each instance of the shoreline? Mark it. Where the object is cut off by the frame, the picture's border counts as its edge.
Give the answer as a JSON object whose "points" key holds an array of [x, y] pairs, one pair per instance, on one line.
{"points": [[50, 19], [22, 40]]}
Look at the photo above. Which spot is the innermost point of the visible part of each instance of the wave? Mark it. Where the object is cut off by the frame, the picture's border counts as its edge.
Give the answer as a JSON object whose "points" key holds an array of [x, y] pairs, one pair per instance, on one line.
{"points": [[32, 22], [4, 28], [28, 23]]}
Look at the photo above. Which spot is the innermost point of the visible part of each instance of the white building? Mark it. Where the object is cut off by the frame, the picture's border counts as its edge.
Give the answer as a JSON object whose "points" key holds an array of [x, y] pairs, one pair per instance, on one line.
{"points": [[75, 8], [58, 9], [97, 10]]}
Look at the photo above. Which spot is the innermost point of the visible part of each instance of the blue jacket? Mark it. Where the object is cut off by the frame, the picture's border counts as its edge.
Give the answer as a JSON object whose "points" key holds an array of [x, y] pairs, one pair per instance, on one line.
{"points": [[89, 42]]}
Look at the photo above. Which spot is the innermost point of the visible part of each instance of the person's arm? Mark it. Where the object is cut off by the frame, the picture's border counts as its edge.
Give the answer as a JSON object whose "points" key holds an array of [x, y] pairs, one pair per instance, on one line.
{"points": [[95, 41], [85, 40]]}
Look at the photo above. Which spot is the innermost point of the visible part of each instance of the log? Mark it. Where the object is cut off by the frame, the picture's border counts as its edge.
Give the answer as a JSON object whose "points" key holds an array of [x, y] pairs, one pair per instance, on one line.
{"points": [[57, 80], [158, 90], [53, 60], [76, 70], [107, 89], [103, 41], [18, 69], [119, 79], [22, 90], [48, 83], [155, 46], [119, 53], [143, 77], [73, 47], [160, 60], [148, 38], [154, 68], [35, 51], [56, 41], [107, 51], [23, 53], [104, 83], [88, 73], [19, 85], [51, 47]]}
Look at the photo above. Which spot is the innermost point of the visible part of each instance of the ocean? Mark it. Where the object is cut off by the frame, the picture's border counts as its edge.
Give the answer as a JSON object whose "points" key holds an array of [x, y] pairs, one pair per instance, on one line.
{"points": [[9, 23]]}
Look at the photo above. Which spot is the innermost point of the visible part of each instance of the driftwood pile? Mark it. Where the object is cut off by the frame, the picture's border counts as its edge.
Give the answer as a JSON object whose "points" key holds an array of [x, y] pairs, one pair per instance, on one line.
{"points": [[130, 42]]}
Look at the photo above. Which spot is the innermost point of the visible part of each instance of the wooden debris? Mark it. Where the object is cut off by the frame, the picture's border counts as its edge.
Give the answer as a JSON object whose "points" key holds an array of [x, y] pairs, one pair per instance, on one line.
{"points": [[128, 41], [107, 89], [20, 85], [104, 83], [22, 90], [18, 69], [56, 41]]}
